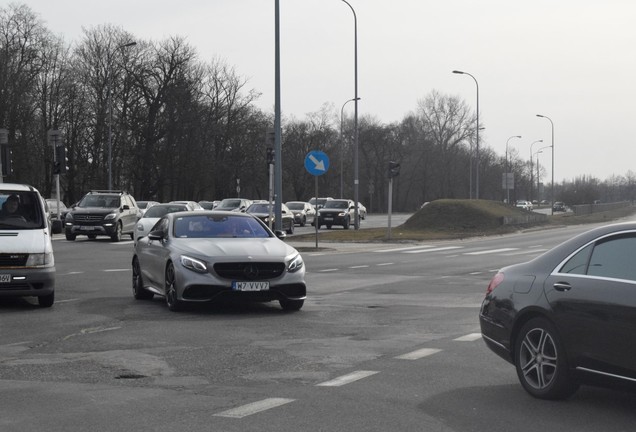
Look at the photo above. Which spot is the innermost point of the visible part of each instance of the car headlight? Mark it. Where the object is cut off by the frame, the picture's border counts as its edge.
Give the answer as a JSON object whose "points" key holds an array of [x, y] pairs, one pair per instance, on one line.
{"points": [[110, 216], [140, 227], [341, 214], [193, 264], [40, 260], [295, 264]]}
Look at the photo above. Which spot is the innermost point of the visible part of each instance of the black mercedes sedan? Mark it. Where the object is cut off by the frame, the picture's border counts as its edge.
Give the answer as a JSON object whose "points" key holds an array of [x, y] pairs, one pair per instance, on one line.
{"points": [[568, 317]]}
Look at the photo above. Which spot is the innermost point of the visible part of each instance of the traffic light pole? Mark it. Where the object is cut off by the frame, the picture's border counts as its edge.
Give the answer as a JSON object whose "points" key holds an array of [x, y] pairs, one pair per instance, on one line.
{"points": [[390, 209]]}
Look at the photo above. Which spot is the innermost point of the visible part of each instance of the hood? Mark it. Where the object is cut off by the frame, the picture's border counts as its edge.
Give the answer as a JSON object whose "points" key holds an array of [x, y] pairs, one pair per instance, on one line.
{"points": [[24, 241], [232, 249]]}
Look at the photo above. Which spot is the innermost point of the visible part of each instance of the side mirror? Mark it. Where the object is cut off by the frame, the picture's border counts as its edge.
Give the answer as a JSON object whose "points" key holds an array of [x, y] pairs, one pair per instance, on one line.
{"points": [[155, 235], [280, 234], [126, 207]]}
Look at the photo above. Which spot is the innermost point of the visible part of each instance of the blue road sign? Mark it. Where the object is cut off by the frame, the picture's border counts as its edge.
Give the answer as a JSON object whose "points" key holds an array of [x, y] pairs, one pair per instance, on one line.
{"points": [[316, 162]]}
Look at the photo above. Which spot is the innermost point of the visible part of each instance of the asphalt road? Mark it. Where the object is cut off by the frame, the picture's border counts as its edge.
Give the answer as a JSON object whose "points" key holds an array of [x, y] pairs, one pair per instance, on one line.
{"points": [[388, 340]]}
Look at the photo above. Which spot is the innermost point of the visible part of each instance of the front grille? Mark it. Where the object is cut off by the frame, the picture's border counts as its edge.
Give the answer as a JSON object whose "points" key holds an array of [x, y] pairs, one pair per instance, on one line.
{"points": [[249, 270], [13, 260], [20, 285], [87, 218]]}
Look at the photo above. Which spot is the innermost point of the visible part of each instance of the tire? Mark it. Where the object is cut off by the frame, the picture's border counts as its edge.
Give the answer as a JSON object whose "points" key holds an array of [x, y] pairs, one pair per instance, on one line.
{"points": [[92, 236], [346, 224], [291, 305], [139, 292], [70, 237], [173, 303], [291, 228], [132, 235], [328, 226], [303, 222], [541, 362], [46, 300], [116, 237]]}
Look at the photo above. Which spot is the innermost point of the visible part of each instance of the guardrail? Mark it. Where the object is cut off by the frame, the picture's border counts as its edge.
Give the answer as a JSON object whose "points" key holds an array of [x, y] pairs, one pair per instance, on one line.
{"points": [[584, 209], [529, 218]]}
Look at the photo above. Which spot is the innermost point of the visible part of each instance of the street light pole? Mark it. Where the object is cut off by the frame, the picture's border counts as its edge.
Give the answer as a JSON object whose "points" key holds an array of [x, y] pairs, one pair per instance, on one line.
{"points": [[110, 114], [355, 121], [508, 168], [477, 135], [551, 187], [531, 175], [341, 147], [538, 173]]}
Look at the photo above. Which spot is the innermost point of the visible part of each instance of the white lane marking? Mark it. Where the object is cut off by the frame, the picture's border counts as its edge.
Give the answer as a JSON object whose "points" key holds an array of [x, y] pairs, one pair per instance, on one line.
{"points": [[90, 330], [469, 337], [433, 249], [124, 243], [116, 270], [490, 251], [403, 248], [346, 379], [384, 264], [527, 252], [475, 273], [66, 301], [418, 354], [72, 273], [359, 266], [253, 408], [327, 270]]}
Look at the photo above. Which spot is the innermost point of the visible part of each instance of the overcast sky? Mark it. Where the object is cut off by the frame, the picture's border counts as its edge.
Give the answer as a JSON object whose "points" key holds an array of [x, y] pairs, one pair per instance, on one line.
{"points": [[571, 60]]}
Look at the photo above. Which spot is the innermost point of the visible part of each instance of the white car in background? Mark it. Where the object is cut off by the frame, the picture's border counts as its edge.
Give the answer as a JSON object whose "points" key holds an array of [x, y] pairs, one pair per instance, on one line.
{"points": [[525, 205], [153, 214]]}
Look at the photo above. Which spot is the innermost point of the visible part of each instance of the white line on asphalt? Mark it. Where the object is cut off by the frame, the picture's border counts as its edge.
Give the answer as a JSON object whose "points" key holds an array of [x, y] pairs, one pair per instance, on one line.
{"points": [[327, 270], [403, 248], [469, 337], [475, 273], [253, 408], [66, 301], [384, 264], [123, 242], [359, 266], [420, 353], [72, 273], [532, 251], [116, 270], [433, 249], [346, 379], [490, 251]]}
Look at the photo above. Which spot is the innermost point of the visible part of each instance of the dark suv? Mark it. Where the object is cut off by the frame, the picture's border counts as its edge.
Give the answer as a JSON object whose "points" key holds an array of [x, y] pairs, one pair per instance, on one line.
{"points": [[337, 212], [103, 213]]}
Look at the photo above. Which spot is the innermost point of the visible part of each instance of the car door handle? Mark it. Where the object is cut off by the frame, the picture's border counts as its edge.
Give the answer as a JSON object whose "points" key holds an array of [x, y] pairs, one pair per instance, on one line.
{"points": [[562, 286]]}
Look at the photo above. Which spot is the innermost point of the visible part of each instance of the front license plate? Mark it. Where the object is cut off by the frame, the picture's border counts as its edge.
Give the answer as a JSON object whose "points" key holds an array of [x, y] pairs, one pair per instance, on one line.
{"points": [[86, 228], [328, 218], [5, 278], [250, 286]]}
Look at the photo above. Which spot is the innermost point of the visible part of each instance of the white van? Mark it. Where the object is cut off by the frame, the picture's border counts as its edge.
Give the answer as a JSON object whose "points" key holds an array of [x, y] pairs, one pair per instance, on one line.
{"points": [[27, 267]]}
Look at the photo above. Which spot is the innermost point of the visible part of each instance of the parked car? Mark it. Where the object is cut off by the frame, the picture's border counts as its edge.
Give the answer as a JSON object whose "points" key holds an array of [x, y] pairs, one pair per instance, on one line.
{"points": [[233, 204], [193, 257], [261, 210], [567, 316], [56, 215], [209, 205], [27, 265], [150, 218], [319, 203], [102, 213], [192, 204], [362, 210], [558, 206], [145, 205], [525, 205], [337, 212], [302, 211]]}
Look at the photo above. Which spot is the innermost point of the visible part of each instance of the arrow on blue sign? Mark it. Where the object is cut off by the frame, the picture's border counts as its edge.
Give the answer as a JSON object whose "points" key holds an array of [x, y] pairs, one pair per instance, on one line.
{"points": [[316, 163]]}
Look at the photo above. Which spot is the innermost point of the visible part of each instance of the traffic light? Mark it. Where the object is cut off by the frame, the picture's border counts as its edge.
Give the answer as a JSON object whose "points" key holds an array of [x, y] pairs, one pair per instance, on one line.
{"points": [[59, 166], [270, 156], [394, 169]]}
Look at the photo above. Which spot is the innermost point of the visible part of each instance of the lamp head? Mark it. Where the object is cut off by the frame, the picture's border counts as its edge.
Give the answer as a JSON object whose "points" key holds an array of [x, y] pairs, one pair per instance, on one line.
{"points": [[458, 72]]}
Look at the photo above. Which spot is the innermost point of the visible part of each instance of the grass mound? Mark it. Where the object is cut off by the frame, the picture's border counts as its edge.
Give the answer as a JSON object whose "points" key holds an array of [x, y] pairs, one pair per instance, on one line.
{"points": [[460, 215]]}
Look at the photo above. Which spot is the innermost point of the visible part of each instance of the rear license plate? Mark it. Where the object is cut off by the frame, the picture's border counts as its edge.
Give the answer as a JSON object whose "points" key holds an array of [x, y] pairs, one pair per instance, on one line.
{"points": [[5, 278], [250, 286]]}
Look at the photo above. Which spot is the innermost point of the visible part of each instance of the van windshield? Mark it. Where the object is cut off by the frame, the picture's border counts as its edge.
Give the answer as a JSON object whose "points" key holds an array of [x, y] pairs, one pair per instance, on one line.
{"points": [[21, 210]]}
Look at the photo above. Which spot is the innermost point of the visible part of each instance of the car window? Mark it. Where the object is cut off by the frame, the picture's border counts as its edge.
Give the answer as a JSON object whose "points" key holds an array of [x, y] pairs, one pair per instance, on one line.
{"points": [[578, 263], [295, 206], [211, 226], [614, 258], [161, 211], [21, 210]]}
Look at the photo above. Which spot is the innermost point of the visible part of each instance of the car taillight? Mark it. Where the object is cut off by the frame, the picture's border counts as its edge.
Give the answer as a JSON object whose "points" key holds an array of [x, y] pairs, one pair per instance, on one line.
{"points": [[496, 280]]}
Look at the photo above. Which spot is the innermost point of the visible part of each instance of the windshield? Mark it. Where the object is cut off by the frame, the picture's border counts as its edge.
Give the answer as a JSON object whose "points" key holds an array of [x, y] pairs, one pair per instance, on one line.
{"points": [[229, 203], [106, 201], [211, 226], [259, 208], [159, 211], [335, 204], [295, 206], [20, 210]]}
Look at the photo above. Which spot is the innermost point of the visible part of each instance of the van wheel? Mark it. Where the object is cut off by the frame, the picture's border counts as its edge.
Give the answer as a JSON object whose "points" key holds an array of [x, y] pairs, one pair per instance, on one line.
{"points": [[46, 300]]}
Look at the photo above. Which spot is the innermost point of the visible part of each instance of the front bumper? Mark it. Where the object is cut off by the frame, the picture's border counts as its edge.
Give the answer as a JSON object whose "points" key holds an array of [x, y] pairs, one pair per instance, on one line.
{"points": [[107, 229], [28, 282]]}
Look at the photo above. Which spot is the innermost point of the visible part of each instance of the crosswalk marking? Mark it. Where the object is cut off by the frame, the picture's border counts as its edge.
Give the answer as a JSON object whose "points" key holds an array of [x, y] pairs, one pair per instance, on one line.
{"points": [[491, 251], [438, 249], [469, 337]]}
